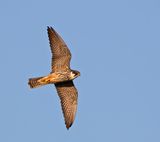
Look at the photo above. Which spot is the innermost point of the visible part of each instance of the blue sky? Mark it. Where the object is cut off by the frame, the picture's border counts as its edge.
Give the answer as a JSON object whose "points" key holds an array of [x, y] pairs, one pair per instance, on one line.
{"points": [[116, 47]]}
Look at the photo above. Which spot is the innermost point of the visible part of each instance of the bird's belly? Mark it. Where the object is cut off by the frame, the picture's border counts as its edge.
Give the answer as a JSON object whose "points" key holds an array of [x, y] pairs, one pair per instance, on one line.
{"points": [[54, 78]]}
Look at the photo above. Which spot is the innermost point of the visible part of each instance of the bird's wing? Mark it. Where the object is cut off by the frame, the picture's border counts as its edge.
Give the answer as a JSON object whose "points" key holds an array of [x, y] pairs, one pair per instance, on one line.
{"points": [[68, 95], [61, 55]]}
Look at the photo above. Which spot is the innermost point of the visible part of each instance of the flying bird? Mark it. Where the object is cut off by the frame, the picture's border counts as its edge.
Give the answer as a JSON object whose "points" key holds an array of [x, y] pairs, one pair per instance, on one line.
{"points": [[61, 76]]}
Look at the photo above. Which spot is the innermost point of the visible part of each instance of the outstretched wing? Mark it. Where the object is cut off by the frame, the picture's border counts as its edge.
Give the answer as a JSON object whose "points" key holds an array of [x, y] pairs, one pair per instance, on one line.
{"points": [[61, 55], [68, 95]]}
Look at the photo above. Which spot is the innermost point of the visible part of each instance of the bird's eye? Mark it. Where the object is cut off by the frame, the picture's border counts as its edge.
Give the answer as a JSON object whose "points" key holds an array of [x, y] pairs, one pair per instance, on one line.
{"points": [[75, 73]]}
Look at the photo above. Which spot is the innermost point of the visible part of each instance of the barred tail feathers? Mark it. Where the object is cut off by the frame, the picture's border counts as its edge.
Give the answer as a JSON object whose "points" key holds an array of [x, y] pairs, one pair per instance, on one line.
{"points": [[33, 82]]}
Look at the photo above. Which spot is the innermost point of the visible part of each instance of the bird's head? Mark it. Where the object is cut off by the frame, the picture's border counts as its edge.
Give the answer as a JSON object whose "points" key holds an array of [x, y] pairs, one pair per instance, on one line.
{"points": [[74, 74]]}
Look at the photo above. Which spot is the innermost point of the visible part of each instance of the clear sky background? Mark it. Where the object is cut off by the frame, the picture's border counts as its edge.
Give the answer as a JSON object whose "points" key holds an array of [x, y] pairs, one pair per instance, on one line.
{"points": [[116, 47]]}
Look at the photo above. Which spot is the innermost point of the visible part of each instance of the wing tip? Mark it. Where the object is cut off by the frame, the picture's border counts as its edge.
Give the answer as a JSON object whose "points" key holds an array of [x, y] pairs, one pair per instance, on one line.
{"points": [[68, 126], [50, 28]]}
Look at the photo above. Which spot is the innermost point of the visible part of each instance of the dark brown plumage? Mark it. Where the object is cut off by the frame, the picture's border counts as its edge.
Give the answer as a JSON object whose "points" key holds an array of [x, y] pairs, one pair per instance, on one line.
{"points": [[61, 75], [61, 55], [69, 96]]}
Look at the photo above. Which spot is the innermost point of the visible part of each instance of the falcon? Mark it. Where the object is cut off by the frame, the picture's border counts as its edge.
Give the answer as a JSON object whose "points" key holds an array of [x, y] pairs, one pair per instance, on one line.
{"points": [[61, 76]]}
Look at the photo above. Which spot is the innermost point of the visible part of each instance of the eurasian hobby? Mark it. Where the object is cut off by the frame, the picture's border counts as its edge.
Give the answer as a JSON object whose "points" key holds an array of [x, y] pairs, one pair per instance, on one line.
{"points": [[61, 75]]}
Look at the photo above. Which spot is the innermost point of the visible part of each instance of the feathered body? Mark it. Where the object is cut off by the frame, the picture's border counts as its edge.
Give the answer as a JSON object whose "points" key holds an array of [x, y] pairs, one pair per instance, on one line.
{"points": [[61, 75], [52, 78]]}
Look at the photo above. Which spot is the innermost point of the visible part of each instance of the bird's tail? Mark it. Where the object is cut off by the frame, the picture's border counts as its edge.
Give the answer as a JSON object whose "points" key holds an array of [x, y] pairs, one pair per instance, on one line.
{"points": [[34, 82]]}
